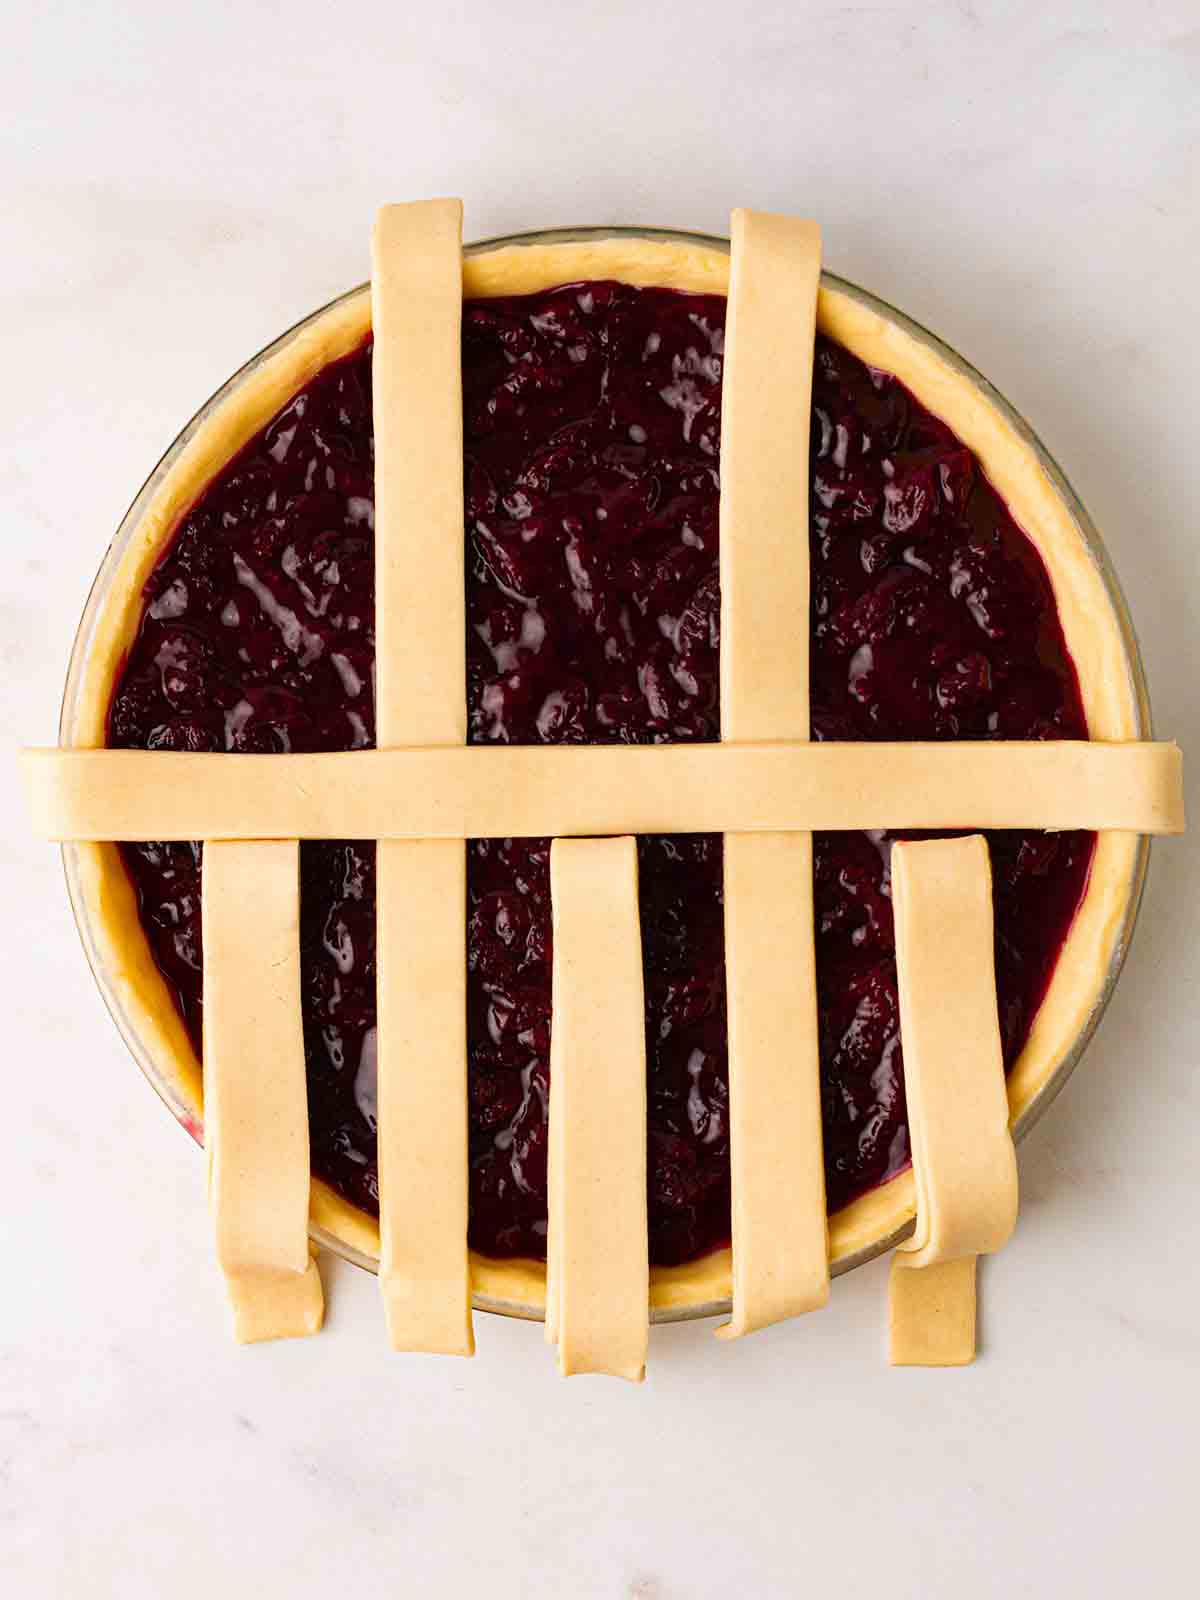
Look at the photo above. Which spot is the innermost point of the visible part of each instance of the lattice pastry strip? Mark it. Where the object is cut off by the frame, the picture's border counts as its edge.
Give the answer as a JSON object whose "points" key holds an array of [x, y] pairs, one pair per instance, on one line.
{"points": [[421, 699], [422, 793], [779, 1232], [932, 1313], [255, 1094], [598, 1264], [962, 1152], [514, 791]]}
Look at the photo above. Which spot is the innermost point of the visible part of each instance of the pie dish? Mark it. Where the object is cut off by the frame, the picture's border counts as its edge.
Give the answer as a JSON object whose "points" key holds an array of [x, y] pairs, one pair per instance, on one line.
{"points": [[1094, 630]]}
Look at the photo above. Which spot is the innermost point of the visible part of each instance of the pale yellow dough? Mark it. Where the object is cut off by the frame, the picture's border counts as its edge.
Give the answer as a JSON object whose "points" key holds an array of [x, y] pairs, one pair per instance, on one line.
{"points": [[421, 699], [931, 1313], [1090, 626], [766, 404], [780, 1243], [255, 1091], [779, 1230], [507, 791], [421, 1064], [964, 1164], [416, 371], [598, 1296]]}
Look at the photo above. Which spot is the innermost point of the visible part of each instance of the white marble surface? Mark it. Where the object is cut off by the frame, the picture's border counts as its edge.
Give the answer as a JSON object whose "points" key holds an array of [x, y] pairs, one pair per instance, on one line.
{"points": [[178, 188]]}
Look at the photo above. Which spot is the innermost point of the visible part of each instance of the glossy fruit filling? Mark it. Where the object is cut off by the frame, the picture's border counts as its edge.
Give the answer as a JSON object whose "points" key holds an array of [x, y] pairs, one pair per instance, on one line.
{"points": [[592, 419]]}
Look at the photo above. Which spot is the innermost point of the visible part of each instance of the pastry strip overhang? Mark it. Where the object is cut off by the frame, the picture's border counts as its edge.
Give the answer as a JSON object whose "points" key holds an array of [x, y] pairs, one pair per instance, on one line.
{"points": [[931, 1313], [532, 791], [780, 1243], [421, 699], [255, 1095], [598, 1259], [964, 1165]]}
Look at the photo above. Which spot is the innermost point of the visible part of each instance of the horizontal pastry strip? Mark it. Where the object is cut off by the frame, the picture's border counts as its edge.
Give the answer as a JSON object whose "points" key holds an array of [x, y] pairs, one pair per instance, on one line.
{"points": [[511, 791]]}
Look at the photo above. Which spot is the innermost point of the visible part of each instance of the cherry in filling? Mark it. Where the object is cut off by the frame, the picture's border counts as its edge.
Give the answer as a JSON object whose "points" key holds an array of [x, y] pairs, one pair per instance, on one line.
{"points": [[592, 417]]}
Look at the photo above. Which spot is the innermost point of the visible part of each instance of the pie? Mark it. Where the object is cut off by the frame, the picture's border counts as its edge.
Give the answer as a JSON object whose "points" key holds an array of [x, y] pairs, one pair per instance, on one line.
{"points": [[952, 597]]}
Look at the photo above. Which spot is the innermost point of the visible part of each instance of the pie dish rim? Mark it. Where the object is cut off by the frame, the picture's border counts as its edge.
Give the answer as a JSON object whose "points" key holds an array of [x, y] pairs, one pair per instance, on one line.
{"points": [[102, 898]]}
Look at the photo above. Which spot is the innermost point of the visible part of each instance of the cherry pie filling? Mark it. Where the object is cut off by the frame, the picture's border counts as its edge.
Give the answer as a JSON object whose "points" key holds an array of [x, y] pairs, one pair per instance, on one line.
{"points": [[592, 427]]}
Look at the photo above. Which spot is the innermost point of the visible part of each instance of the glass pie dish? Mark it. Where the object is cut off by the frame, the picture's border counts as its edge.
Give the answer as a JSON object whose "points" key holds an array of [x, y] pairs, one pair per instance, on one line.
{"points": [[1097, 948]]}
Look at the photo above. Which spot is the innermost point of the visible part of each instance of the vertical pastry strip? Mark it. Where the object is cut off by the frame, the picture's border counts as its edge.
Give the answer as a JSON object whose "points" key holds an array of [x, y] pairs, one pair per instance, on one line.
{"points": [[598, 1259], [420, 964], [963, 1159], [420, 699], [780, 1243], [255, 1095]]}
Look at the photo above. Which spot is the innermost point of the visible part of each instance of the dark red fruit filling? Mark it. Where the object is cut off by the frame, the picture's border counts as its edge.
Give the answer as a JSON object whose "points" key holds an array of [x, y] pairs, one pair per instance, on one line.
{"points": [[592, 439]]}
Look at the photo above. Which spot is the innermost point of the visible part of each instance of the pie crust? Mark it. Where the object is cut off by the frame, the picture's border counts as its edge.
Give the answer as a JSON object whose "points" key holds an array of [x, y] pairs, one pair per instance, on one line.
{"points": [[421, 699], [258, 1119], [502, 791], [963, 1162], [964, 1168], [1089, 621], [597, 1243], [931, 1313], [778, 1227]]}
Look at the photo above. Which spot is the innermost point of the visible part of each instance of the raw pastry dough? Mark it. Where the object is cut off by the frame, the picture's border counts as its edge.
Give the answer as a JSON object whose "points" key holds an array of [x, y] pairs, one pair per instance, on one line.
{"points": [[420, 595], [766, 409], [598, 1263], [421, 699], [777, 1170], [964, 1164], [255, 1093], [931, 1313], [421, 1061], [779, 1231], [481, 792]]}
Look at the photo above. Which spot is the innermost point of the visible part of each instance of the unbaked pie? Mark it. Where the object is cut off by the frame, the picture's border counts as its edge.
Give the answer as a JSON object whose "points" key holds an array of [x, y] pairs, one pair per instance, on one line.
{"points": [[722, 951]]}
